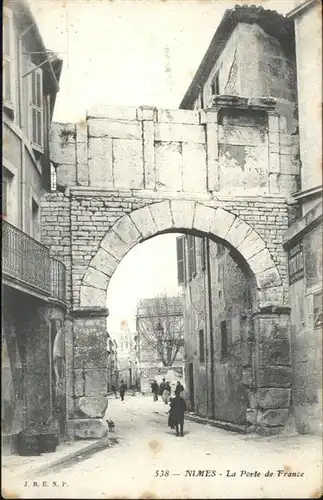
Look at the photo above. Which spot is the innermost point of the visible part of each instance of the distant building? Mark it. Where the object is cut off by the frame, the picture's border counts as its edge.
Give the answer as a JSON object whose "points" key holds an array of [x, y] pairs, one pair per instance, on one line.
{"points": [[126, 354], [112, 363], [160, 339], [33, 299]]}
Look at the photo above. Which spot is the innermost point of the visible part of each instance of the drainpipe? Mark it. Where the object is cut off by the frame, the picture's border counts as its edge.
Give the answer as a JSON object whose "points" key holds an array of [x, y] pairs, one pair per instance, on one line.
{"points": [[209, 305]]}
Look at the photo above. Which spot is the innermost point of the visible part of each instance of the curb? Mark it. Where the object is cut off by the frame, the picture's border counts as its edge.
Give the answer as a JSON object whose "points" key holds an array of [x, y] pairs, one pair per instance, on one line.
{"points": [[74, 457], [227, 426]]}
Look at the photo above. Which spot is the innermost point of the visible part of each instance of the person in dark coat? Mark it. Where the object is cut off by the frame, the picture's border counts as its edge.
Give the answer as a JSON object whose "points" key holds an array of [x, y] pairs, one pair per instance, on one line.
{"points": [[122, 390], [154, 390], [162, 387], [178, 389], [176, 414]]}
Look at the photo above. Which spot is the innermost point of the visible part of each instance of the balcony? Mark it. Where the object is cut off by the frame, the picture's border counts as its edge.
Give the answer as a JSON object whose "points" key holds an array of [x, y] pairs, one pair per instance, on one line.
{"points": [[26, 264]]}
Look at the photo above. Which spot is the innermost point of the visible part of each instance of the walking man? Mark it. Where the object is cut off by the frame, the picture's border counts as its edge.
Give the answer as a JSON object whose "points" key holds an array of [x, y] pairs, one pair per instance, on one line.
{"points": [[162, 387], [154, 390], [177, 409], [166, 393], [122, 390]]}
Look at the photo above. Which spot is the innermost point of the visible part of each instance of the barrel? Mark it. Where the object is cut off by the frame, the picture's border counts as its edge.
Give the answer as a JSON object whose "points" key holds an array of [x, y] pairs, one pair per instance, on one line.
{"points": [[28, 444], [47, 442]]}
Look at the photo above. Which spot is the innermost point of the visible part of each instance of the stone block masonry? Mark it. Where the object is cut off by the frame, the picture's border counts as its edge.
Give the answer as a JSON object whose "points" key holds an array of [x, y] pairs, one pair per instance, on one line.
{"points": [[131, 173]]}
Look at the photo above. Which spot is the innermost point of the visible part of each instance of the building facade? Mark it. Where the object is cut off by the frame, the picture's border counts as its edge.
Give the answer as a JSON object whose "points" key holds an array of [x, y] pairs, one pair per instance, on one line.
{"points": [[303, 240], [33, 346], [248, 58]]}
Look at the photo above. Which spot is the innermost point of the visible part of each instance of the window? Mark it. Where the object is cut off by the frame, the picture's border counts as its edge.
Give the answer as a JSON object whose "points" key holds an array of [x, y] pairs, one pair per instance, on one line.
{"points": [[191, 256], [224, 340], [180, 250], [35, 227], [295, 263], [36, 108], [53, 177], [201, 346], [8, 86], [318, 310], [6, 186], [215, 87]]}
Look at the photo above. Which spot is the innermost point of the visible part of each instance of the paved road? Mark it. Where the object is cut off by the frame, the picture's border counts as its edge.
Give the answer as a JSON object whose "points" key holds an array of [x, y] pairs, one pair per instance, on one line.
{"points": [[133, 468]]}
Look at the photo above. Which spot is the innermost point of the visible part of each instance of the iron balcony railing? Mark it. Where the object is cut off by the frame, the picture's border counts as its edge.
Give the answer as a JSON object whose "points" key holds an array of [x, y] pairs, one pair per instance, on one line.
{"points": [[27, 262]]}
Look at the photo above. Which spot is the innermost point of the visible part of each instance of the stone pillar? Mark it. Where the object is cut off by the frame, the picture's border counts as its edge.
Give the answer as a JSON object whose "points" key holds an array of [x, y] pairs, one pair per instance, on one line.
{"points": [[211, 124], [272, 396], [90, 374]]}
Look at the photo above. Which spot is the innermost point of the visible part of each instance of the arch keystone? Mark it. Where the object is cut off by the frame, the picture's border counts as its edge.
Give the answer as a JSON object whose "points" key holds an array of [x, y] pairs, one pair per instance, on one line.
{"points": [[92, 297], [127, 231], [162, 215], [144, 222], [104, 262], [182, 213], [238, 232], [203, 218], [222, 222]]}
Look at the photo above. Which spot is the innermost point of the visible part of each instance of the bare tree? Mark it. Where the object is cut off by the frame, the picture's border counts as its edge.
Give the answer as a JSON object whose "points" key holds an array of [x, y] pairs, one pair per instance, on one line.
{"points": [[160, 330]]}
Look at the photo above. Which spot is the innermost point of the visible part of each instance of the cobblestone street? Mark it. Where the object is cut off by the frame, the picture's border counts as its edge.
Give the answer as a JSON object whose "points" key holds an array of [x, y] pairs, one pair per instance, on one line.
{"points": [[147, 447]]}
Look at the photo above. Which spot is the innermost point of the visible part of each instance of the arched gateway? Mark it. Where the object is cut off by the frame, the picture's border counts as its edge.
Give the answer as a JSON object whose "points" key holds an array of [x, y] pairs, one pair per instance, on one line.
{"points": [[133, 173]]}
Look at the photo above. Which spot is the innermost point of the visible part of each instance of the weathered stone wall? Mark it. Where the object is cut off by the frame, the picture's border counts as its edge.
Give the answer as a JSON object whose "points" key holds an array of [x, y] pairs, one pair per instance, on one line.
{"points": [[244, 146]]}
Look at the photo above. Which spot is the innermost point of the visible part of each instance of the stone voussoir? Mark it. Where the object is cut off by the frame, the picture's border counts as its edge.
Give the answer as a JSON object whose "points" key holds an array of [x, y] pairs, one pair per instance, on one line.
{"points": [[144, 222], [104, 262], [114, 245], [238, 232], [162, 215], [127, 230], [204, 217], [222, 222], [95, 278]]}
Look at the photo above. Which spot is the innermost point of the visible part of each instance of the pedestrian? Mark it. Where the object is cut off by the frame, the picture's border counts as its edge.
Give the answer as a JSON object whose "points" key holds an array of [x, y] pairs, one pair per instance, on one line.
{"points": [[154, 390], [122, 390], [161, 387], [179, 388], [166, 393], [176, 414]]}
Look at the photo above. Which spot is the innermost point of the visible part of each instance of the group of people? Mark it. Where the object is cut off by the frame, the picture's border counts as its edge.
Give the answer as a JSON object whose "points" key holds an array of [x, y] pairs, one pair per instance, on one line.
{"points": [[177, 404]]}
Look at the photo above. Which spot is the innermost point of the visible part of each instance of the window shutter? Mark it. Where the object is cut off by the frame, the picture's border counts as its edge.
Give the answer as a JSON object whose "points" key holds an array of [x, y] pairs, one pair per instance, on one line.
{"points": [[180, 250], [191, 256], [36, 108]]}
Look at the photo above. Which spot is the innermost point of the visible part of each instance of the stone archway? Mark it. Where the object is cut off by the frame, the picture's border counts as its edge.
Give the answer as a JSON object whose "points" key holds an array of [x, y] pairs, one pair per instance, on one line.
{"points": [[268, 376], [179, 215]]}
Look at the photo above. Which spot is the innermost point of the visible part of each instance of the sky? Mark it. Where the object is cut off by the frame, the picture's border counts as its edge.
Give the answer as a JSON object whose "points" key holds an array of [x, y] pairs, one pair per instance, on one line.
{"points": [[131, 53]]}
